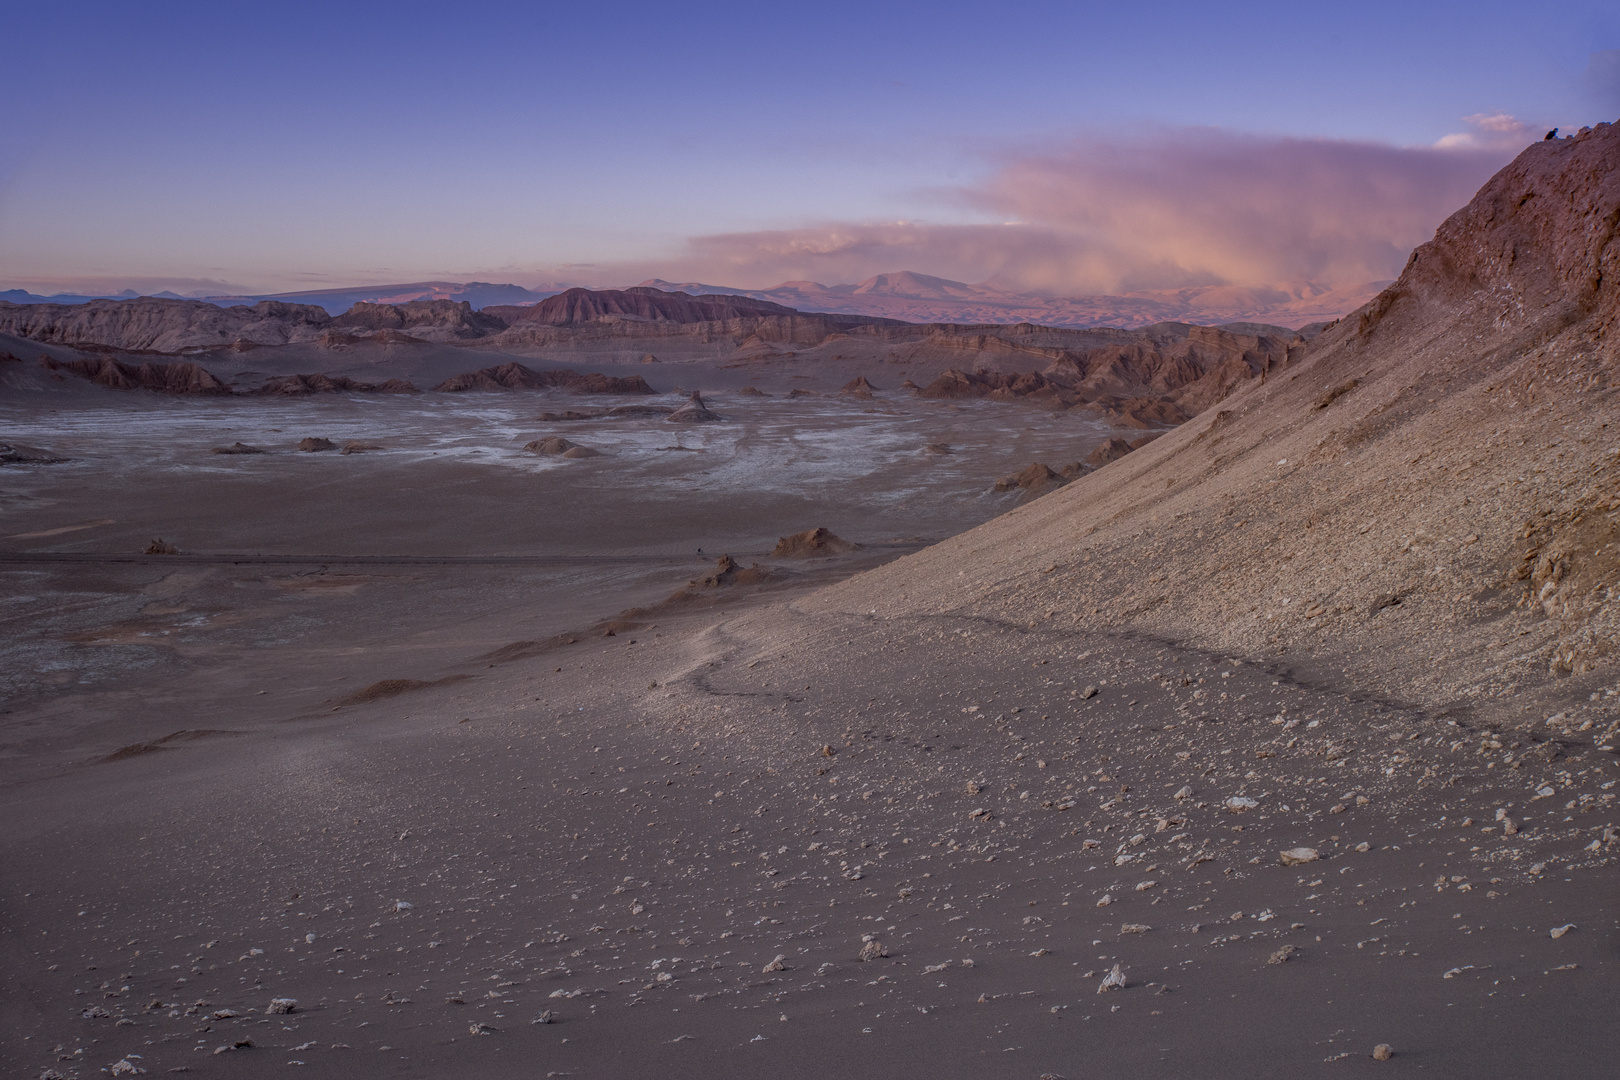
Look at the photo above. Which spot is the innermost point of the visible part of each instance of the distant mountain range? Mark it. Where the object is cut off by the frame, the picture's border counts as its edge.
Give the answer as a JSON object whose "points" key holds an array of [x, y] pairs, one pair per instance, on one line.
{"points": [[480, 294], [907, 296], [917, 297], [23, 296]]}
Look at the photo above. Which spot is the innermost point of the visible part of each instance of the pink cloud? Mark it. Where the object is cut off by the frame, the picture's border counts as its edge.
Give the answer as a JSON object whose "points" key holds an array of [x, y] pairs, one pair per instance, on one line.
{"points": [[1178, 209]]}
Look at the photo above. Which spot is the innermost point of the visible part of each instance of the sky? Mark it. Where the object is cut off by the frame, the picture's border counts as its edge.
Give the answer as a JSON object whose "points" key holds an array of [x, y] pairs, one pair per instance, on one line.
{"points": [[1063, 148]]}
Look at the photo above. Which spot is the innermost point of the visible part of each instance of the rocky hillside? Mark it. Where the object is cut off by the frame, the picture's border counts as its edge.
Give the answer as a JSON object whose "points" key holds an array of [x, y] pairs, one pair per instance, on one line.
{"points": [[578, 306], [1424, 507]]}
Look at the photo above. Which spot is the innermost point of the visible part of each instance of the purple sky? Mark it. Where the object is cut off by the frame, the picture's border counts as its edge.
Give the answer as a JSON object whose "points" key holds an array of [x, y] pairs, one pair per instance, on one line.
{"points": [[1069, 148]]}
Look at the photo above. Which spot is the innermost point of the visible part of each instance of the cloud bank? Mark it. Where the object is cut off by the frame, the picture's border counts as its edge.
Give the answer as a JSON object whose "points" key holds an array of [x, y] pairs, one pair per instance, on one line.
{"points": [[1179, 209]]}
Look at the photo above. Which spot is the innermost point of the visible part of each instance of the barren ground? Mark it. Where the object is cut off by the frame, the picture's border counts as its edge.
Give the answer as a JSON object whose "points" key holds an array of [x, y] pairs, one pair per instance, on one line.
{"points": [[624, 834]]}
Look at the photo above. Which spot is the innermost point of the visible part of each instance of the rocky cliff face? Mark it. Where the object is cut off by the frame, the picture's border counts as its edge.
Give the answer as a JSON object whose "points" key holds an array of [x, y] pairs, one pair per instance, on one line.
{"points": [[1427, 502], [156, 325]]}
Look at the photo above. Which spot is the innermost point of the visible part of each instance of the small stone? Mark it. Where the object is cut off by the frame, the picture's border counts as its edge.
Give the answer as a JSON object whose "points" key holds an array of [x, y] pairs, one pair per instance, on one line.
{"points": [[1383, 1052], [1184, 793], [481, 1029], [1134, 928], [281, 1006], [775, 965], [1282, 955], [1364, 846], [1298, 856], [1089, 692], [1559, 931], [1114, 980], [546, 1016], [1105, 901], [873, 950], [1239, 803]]}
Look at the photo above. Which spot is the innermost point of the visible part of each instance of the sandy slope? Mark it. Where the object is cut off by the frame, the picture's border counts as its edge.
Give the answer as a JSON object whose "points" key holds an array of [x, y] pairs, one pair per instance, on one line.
{"points": [[1426, 505]]}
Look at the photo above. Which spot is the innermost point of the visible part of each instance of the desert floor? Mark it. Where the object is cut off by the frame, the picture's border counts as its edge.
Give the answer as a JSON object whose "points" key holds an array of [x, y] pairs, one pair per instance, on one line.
{"points": [[661, 852]]}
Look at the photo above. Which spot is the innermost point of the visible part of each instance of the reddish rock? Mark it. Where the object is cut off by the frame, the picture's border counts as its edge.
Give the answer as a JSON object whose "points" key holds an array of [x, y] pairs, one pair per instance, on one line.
{"points": [[809, 544]]}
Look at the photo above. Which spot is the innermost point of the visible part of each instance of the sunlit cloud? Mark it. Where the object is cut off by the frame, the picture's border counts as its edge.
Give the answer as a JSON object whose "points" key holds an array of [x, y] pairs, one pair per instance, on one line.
{"points": [[1174, 210]]}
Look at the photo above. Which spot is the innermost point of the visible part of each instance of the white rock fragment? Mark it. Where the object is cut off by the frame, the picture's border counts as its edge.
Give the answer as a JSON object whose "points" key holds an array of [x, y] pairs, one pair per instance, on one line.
{"points": [[1560, 931], [1134, 928], [1114, 980], [1239, 803], [873, 949], [281, 1006], [1298, 856], [778, 964]]}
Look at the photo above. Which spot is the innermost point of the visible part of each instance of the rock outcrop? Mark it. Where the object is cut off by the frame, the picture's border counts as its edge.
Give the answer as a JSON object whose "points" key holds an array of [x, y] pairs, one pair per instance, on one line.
{"points": [[179, 377], [811, 544], [693, 412], [557, 446], [1159, 377], [423, 320], [1033, 480]]}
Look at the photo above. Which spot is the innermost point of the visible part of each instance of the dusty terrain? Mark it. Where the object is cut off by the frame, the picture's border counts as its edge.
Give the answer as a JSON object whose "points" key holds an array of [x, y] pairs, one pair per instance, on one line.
{"points": [[1296, 722]]}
